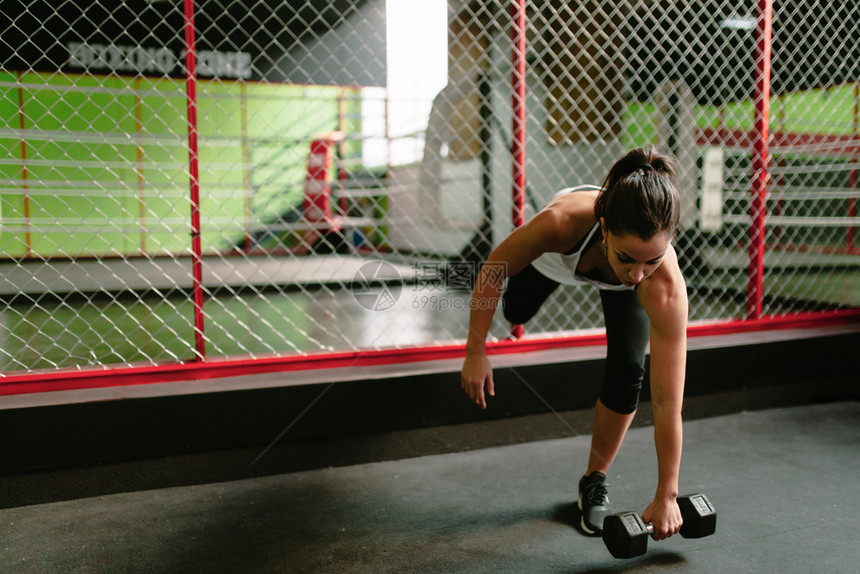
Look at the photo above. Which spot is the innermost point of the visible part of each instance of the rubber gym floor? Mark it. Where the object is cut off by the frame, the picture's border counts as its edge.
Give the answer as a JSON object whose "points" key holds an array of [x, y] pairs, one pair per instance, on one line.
{"points": [[783, 480]]}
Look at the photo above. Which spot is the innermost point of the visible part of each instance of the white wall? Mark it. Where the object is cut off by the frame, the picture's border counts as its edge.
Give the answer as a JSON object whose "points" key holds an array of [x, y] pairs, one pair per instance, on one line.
{"points": [[352, 54], [444, 204]]}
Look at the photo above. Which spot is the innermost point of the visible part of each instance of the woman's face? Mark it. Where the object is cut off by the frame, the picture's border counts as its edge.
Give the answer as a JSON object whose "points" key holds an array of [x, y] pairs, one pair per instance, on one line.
{"points": [[634, 259]]}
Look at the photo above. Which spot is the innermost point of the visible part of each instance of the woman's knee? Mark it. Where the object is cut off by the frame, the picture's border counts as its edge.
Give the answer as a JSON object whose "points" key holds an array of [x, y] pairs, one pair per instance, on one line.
{"points": [[627, 330], [518, 312], [525, 294], [517, 315], [622, 396]]}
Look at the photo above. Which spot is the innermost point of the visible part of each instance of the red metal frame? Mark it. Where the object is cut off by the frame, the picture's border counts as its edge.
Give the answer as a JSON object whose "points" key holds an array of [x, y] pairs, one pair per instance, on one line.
{"points": [[128, 375], [203, 369], [755, 286], [847, 146], [193, 170], [518, 105]]}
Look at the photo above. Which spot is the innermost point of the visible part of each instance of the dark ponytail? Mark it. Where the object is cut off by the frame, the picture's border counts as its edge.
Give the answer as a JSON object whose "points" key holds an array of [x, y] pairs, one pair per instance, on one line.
{"points": [[640, 195]]}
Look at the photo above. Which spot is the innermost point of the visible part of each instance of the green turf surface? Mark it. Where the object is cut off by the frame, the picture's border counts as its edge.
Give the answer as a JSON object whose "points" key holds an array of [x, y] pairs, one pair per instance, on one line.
{"points": [[106, 167], [103, 165]]}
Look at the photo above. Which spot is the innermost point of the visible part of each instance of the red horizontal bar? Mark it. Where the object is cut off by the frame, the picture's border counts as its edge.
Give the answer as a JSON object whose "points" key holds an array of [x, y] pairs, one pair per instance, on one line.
{"points": [[850, 144], [127, 375], [824, 249]]}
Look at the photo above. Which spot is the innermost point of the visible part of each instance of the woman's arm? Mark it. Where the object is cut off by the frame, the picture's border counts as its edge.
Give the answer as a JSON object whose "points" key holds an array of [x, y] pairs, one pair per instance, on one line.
{"points": [[665, 301], [541, 234]]}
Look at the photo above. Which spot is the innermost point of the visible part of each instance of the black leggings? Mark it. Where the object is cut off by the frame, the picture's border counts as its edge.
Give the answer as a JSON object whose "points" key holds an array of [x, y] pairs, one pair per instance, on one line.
{"points": [[627, 331]]}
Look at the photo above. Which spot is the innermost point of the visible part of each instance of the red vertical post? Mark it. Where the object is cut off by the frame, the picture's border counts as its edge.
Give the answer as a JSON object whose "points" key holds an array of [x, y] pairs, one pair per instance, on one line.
{"points": [[518, 106], [25, 171], [246, 164], [193, 169], [316, 205], [764, 33]]}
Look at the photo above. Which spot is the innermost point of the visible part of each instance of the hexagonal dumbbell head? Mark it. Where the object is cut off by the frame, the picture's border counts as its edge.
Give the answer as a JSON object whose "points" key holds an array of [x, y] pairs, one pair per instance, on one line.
{"points": [[700, 517], [625, 535]]}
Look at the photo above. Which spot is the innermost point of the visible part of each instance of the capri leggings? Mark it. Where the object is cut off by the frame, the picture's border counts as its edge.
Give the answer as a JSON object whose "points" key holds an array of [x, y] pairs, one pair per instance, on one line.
{"points": [[627, 331]]}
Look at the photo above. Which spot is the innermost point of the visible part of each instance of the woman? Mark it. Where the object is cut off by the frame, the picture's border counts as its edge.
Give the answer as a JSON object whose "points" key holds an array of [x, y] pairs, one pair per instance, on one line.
{"points": [[618, 238]]}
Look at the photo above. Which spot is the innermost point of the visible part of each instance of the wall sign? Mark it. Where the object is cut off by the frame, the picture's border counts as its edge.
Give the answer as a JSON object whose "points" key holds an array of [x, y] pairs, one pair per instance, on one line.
{"points": [[163, 61]]}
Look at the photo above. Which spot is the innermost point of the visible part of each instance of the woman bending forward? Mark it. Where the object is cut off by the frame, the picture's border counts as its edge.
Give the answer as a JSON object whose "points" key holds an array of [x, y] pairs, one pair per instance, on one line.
{"points": [[618, 238]]}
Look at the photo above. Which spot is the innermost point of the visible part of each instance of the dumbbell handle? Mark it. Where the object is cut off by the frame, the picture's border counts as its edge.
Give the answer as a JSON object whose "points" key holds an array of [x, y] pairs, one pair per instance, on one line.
{"points": [[649, 528]]}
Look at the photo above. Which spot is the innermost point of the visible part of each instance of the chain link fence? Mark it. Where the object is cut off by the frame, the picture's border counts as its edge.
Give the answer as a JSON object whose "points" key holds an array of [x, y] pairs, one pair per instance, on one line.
{"points": [[328, 222]]}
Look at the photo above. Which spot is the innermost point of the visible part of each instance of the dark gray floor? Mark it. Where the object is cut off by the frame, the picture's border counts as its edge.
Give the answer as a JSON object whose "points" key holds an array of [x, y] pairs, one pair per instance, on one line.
{"points": [[784, 481]]}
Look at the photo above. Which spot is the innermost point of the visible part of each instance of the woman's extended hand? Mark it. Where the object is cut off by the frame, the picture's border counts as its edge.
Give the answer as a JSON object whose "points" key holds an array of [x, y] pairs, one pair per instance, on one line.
{"points": [[476, 371], [665, 516]]}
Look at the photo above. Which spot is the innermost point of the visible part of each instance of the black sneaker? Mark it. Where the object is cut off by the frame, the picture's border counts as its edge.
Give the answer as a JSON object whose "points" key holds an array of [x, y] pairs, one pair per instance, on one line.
{"points": [[593, 502]]}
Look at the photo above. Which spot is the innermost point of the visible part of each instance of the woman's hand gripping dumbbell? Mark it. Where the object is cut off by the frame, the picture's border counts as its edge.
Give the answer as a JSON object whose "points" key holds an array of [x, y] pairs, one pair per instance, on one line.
{"points": [[626, 534]]}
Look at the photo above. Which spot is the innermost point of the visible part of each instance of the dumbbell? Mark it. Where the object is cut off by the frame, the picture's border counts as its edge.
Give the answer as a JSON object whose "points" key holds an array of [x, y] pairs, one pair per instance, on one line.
{"points": [[626, 535]]}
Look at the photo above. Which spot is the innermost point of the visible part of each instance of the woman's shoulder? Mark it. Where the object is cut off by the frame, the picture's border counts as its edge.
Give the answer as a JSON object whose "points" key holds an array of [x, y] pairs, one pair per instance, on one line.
{"points": [[573, 212], [560, 225], [577, 205], [665, 288]]}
